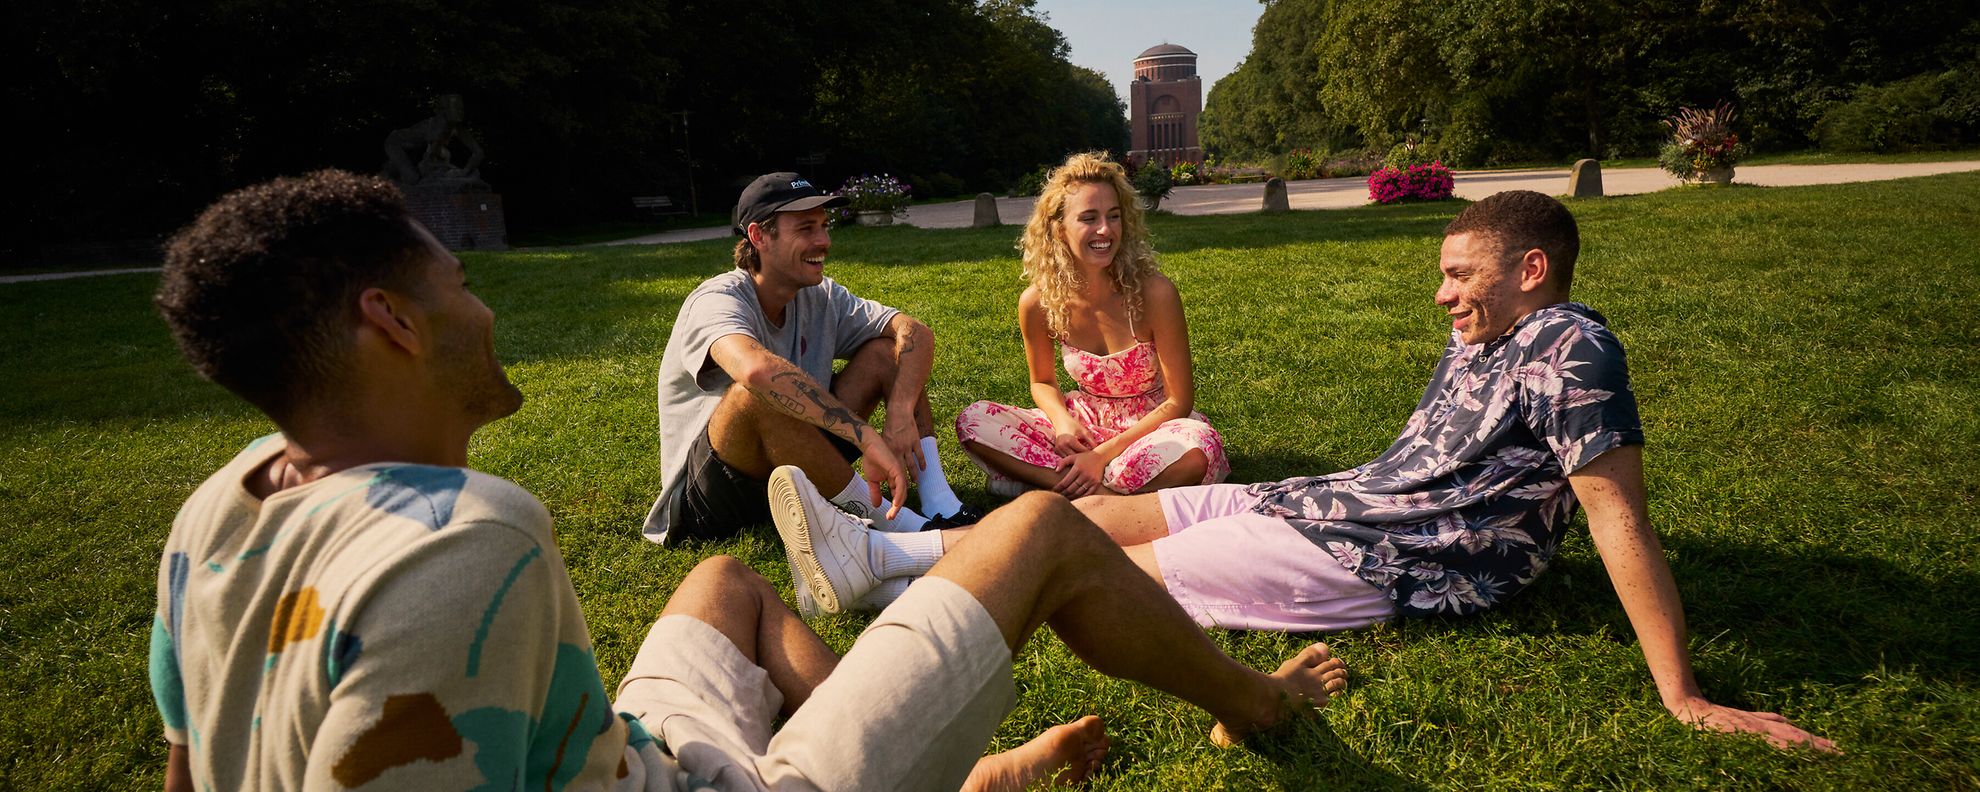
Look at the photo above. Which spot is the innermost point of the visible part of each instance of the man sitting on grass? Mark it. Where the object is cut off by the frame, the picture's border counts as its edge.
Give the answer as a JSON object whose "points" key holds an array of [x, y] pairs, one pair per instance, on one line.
{"points": [[1529, 413], [746, 383], [345, 605]]}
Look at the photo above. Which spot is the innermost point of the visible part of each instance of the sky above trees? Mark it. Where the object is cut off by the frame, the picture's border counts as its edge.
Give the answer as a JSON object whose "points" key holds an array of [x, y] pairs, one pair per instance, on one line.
{"points": [[1105, 36]]}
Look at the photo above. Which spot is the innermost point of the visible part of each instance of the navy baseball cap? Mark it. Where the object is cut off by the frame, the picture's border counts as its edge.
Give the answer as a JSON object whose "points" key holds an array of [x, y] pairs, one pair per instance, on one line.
{"points": [[778, 192]]}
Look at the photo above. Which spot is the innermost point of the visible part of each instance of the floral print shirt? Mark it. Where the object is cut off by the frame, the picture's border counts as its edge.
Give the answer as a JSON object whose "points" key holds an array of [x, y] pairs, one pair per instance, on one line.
{"points": [[1470, 504]]}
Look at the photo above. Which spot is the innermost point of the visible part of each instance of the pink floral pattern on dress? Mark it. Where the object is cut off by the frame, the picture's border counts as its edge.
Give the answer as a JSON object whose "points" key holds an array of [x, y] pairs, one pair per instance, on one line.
{"points": [[1114, 392]]}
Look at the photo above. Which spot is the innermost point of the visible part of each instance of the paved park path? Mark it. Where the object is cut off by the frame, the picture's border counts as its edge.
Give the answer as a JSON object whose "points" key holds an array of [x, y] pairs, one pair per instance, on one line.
{"points": [[1212, 199]]}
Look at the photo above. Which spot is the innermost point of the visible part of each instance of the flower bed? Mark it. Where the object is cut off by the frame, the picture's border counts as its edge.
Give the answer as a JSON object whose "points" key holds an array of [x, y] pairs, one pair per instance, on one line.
{"points": [[1427, 182]]}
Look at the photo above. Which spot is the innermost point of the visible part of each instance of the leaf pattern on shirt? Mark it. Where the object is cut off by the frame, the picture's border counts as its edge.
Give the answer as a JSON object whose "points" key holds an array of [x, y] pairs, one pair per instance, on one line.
{"points": [[1469, 504]]}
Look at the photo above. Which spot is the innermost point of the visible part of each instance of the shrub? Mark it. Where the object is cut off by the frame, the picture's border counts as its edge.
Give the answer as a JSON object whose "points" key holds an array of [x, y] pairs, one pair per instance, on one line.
{"points": [[1183, 173], [941, 185], [1425, 182], [1300, 164], [870, 193], [1406, 154], [1153, 183], [1701, 140], [1350, 164], [1031, 183], [1913, 113]]}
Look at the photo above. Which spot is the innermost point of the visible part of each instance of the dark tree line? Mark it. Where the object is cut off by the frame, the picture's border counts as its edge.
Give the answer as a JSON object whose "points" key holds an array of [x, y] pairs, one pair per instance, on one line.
{"points": [[1509, 80], [140, 112]]}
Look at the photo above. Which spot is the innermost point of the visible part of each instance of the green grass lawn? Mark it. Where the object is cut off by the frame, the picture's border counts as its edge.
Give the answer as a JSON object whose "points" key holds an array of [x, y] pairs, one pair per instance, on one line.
{"points": [[1810, 157], [1807, 361]]}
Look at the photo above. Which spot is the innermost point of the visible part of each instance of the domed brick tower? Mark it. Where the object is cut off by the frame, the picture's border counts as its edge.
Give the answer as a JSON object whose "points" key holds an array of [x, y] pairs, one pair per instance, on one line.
{"points": [[1163, 103]]}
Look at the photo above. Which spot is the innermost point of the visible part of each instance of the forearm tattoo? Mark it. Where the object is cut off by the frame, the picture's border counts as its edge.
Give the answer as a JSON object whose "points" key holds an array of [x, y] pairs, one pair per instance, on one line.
{"points": [[835, 415]]}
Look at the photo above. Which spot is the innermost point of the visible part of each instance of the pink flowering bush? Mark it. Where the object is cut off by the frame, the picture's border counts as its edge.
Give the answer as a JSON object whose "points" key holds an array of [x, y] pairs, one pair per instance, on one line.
{"points": [[1426, 182]]}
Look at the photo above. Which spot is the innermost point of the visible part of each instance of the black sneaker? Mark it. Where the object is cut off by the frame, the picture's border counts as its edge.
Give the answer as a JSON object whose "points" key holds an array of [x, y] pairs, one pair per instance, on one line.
{"points": [[963, 517]]}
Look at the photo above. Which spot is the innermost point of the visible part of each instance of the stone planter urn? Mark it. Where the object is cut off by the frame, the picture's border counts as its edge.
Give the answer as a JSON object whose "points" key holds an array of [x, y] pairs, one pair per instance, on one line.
{"points": [[875, 217], [1150, 203], [1715, 176]]}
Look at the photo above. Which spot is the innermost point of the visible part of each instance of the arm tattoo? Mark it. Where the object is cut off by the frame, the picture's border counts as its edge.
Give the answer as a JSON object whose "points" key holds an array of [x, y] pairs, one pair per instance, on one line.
{"points": [[834, 415], [786, 402]]}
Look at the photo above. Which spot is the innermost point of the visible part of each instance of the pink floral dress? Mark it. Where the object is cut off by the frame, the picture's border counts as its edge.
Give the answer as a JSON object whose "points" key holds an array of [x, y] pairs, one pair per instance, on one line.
{"points": [[1114, 392]]}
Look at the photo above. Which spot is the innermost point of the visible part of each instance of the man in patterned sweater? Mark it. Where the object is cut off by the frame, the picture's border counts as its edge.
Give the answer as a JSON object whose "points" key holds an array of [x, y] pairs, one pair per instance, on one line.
{"points": [[346, 605]]}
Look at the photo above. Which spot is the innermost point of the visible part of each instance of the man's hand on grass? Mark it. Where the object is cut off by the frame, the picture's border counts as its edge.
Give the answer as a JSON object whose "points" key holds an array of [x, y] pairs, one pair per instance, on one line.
{"points": [[1777, 730]]}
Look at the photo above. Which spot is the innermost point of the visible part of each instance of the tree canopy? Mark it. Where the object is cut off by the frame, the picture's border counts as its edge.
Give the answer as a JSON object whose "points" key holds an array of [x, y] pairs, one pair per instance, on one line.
{"points": [[149, 110], [1508, 80]]}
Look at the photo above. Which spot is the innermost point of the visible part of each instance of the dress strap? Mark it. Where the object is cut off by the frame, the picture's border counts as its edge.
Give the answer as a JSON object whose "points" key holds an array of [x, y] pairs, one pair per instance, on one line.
{"points": [[1131, 333]]}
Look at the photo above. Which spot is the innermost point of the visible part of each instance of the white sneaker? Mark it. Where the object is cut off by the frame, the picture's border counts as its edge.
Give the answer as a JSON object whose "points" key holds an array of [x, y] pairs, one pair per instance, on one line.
{"points": [[807, 607], [826, 547]]}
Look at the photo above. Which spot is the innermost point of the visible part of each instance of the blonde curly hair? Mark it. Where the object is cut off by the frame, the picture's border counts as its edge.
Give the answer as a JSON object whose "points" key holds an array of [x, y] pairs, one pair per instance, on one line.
{"points": [[1049, 263]]}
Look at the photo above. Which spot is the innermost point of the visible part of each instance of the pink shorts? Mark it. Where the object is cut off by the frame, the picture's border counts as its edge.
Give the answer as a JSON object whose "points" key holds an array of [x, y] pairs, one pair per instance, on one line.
{"points": [[1233, 568]]}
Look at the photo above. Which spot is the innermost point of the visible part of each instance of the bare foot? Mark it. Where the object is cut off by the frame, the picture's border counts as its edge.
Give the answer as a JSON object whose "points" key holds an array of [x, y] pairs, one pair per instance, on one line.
{"points": [[1071, 750], [1301, 685]]}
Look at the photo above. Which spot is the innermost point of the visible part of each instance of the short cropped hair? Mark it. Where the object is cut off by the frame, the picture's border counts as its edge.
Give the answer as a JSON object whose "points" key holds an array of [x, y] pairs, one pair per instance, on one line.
{"points": [[261, 289], [1521, 220], [747, 257]]}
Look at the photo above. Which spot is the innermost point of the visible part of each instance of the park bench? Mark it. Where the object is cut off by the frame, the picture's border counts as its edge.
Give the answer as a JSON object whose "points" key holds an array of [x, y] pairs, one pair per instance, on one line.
{"points": [[658, 205]]}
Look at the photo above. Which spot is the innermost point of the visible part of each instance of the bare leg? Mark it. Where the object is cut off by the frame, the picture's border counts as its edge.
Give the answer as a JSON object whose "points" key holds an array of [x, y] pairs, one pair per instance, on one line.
{"points": [[1128, 519], [1008, 465], [1185, 471], [1064, 755], [726, 594], [1039, 561], [868, 379], [755, 438]]}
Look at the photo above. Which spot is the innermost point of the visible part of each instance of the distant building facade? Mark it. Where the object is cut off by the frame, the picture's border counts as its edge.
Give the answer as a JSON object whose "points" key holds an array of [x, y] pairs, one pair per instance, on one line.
{"points": [[1164, 101]]}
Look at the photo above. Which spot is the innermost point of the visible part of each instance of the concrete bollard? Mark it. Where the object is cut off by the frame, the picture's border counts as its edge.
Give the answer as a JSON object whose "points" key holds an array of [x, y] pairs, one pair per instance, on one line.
{"points": [[1275, 196], [986, 212], [1585, 181]]}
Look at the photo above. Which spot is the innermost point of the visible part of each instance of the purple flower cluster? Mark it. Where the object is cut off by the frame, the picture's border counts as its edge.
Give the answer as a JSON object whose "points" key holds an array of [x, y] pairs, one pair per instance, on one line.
{"points": [[1427, 182], [867, 193]]}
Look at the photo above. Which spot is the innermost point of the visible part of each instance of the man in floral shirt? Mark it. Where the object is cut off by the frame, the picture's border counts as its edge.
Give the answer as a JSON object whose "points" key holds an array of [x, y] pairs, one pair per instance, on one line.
{"points": [[1529, 413]]}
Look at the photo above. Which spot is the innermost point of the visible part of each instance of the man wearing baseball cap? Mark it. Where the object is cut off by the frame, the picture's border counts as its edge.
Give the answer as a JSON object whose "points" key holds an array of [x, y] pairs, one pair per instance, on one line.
{"points": [[746, 384]]}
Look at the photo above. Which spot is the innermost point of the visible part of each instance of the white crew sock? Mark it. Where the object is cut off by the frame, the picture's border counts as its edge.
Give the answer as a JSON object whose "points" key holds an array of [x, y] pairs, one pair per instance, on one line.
{"points": [[903, 555], [937, 499], [853, 500], [884, 594]]}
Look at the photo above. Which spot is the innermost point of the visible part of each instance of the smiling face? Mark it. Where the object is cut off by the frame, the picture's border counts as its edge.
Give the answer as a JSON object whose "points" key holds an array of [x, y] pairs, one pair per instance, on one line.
{"points": [[795, 256], [1481, 290], [1091, 225], [464, 331]]}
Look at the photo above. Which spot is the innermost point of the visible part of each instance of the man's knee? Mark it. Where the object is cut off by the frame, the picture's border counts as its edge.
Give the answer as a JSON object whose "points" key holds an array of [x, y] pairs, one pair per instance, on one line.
{"points": [[724, 576], [742, 414], [1042, 519]]}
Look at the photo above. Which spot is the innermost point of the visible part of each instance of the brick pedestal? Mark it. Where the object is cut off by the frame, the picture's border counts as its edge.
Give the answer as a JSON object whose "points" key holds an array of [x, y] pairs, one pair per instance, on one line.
{"points": [[461, 220]]}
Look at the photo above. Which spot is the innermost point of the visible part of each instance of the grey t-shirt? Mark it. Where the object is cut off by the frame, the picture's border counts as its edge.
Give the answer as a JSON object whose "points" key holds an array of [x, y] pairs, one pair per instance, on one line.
{"points": [[822, 324]]}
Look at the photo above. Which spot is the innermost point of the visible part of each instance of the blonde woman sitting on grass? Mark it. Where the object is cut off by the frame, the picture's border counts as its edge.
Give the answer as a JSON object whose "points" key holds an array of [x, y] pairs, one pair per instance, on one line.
{"points": [[1118, 324]]}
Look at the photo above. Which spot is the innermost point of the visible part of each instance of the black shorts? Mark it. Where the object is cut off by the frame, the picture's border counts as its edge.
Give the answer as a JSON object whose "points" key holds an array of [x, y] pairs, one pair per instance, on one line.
{"points": [[720, 500]]}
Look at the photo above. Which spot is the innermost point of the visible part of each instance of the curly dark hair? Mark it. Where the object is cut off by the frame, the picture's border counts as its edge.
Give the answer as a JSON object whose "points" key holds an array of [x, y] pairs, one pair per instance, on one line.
{"points": [[1521, 220], [260, 289]]}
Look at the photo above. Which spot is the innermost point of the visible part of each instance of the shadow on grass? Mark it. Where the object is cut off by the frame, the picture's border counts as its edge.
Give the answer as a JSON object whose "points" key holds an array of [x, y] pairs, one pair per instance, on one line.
{"points": [[1313, 755], [1250, 468], [1812, 614]]}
